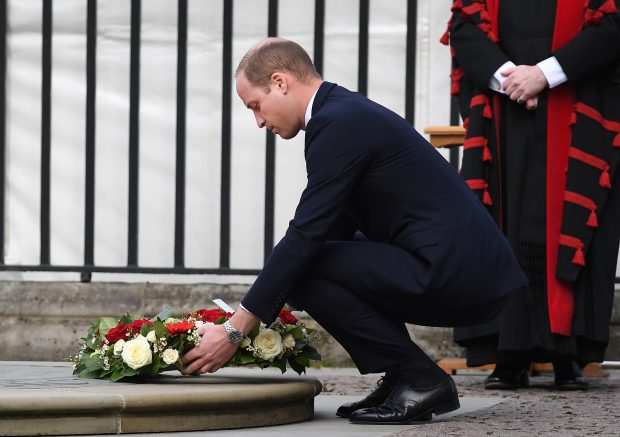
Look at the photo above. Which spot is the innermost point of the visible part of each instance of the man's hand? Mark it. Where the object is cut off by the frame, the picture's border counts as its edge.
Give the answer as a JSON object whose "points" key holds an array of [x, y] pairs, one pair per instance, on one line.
{"points": [[212, 353], [214, 349], [531, 103], [524, 82]]}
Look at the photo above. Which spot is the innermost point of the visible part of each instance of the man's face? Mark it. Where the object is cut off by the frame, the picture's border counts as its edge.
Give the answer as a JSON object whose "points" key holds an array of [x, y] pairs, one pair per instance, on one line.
{"points": [[276, 110]]}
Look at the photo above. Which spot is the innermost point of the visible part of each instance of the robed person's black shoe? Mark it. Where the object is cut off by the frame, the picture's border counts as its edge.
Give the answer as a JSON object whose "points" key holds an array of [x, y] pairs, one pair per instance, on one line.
{"points": [[507, 379], [374, 399], [408, 404], [568, 376]]}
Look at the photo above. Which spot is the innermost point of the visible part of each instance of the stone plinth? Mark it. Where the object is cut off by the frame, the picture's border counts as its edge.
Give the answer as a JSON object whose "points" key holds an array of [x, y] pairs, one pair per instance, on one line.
{"points": [[46, 399]]}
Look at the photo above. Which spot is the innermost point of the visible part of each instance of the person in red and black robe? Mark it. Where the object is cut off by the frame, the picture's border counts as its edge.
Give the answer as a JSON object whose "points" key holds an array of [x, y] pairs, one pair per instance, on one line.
{"points": [[538, 84]]}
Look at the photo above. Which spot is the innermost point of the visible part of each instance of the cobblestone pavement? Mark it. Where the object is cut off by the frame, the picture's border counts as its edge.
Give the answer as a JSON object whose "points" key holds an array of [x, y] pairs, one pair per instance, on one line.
{"points": [[539, 410]]}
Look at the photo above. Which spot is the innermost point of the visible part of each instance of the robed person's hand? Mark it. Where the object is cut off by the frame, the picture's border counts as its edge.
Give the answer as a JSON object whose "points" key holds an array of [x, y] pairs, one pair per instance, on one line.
{"points": [[523, 82]]}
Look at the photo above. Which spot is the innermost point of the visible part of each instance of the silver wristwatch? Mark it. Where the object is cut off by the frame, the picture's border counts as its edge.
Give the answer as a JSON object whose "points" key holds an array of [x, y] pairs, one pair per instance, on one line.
{"points": [[234, 335]]}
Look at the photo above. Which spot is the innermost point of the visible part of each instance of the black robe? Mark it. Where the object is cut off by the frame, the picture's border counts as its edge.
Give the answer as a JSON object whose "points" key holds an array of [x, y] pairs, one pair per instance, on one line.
{"points": [[512, 174]]}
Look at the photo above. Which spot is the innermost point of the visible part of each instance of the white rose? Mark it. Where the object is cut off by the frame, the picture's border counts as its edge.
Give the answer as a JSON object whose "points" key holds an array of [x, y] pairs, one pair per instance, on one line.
{"points": [[151, 337], [198, 323], [170, 356], [268, 344], [118, 347], [288, 341], [137, 352], [245, 342]]}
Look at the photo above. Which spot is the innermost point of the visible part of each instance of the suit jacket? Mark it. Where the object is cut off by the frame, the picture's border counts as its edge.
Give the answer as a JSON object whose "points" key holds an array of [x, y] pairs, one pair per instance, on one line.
{"points": [[367, 165]]}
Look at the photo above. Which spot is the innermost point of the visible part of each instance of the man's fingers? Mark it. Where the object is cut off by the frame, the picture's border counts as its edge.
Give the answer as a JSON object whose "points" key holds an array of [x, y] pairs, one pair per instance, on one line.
{"points": [[508, 71], [194, 367], [191, 355], [531, 103]]}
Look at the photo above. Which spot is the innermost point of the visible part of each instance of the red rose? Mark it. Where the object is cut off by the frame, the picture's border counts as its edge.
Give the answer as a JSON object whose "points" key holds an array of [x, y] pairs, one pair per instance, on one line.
{"points": [[179, 327], [137, 324], [211, 315], [119, 332], [287, 318]]}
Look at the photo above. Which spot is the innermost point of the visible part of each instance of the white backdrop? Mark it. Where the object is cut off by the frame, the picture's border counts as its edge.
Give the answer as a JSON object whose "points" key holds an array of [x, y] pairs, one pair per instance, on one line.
{"points": [[386, 84]]}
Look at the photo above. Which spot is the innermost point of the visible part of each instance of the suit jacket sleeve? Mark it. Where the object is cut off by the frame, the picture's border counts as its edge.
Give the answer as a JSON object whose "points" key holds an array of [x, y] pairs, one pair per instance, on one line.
{"points": [[335, 163], [596, 47]]}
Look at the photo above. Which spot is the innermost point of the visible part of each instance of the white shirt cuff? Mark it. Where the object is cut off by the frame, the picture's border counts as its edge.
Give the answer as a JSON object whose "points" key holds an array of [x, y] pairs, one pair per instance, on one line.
{"points": [[497, 81], [246, 310], [553, 71]]}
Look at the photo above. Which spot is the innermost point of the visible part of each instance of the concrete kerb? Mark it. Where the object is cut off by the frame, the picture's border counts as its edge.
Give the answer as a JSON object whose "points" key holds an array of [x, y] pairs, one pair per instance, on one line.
{"points": [[57, 403]]}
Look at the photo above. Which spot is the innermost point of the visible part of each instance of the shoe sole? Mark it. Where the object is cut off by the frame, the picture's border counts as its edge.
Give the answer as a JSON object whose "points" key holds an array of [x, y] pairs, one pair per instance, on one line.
{"points": [[503, 386], [572, 387], [443, 408]]}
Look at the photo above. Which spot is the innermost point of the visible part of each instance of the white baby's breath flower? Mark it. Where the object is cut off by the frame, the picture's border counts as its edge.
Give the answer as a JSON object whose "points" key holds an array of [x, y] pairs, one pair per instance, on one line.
{"points": [[198, 323], [137, 352], [245, 343], [151, 337], [170, 356], [118, 347], [268, 344], [288, 341]]}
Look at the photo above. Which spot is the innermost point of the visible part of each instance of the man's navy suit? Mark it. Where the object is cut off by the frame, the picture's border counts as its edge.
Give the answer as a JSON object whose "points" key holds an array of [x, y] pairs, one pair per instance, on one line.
{"points": [[431, 254]]}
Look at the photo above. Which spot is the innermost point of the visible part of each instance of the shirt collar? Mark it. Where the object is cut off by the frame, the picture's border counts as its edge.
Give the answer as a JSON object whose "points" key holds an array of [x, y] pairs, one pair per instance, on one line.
{"points": [[309, 109]]}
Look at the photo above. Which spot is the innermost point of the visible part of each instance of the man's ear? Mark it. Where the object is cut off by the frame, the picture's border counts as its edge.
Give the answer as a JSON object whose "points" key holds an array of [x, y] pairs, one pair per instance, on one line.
{"points": [[280, 81]]}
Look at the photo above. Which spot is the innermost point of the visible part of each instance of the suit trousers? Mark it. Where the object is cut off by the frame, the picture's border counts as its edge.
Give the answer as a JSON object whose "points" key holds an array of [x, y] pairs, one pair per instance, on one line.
{"points": [[363, 293]]}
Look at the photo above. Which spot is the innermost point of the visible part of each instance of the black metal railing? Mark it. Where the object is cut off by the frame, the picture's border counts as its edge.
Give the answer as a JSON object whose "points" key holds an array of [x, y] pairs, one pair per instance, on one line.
{"points": [[179, 265], [133, 263]]}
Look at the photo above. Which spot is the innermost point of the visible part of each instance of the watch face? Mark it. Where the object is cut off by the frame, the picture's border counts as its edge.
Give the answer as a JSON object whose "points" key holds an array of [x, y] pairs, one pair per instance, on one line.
{"points": [[235, 336]]}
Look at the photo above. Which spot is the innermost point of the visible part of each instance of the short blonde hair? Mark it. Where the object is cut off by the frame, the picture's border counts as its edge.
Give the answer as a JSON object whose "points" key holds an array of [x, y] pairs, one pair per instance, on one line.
{"points": [[276, 54]]}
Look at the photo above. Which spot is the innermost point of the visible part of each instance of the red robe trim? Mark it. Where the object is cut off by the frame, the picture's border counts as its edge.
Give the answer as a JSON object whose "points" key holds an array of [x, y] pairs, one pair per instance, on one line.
{"points": [[560, 299]]}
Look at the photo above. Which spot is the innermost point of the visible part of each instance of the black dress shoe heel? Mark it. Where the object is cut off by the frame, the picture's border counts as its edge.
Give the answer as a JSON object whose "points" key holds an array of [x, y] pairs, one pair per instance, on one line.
{"points": [[507, 379], [374, 399], [568, 376], [446, 407], [408, 404]]}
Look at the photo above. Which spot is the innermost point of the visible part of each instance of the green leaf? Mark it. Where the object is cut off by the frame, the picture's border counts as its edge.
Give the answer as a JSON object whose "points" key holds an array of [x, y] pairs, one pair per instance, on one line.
{"points": [[105, 324], [88, 374], [303, 361], [297, 367], [117, 376], [311, 353], [247, 359], [280, 363], [160, 329]]}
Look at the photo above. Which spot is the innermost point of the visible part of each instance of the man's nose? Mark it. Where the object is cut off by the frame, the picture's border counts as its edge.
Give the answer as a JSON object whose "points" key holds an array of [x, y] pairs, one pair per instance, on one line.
{"points": [[260, 121]]}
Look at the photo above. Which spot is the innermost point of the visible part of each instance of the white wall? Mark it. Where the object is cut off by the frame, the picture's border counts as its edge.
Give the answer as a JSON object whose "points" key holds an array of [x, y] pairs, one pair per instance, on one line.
{"points": [[386, 84]]}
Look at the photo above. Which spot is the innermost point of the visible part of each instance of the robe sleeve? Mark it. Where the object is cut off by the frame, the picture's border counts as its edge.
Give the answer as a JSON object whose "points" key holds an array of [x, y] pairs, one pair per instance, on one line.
{"points": [[475, 52], [596, 47]]}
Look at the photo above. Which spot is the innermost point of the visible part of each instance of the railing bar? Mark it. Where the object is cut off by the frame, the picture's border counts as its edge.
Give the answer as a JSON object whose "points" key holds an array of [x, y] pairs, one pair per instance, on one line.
{"points": [[3, 29], [270, 153], [412, 18], [91, 86], [128, 269], [46, 114], [319, 34], [179, 216], [362, 68], [226, 135], [134, 132]]}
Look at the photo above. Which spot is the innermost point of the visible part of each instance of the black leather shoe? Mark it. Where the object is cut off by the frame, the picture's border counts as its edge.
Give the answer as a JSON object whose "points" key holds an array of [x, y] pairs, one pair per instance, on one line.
{"points": [[408, 404], [374, 399], [568, 376], [507, 379]]}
